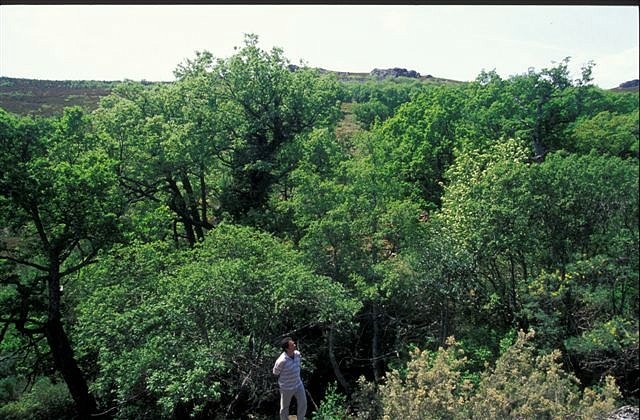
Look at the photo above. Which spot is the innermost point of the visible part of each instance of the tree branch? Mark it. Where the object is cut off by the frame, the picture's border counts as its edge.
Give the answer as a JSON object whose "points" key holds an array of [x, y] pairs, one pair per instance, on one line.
{"points": [[39, 226], [5, 327], [24, 262], [89, 259]]}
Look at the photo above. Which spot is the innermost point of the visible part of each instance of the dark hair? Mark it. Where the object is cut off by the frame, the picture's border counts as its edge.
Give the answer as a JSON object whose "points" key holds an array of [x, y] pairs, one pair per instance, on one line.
{"points": [[285, 342]]}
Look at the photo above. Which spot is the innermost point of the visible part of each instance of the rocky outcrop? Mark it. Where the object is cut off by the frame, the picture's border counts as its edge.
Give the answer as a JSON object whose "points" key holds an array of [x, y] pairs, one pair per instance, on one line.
{"points": [[376, 73], [394, 72], [628, 412]]}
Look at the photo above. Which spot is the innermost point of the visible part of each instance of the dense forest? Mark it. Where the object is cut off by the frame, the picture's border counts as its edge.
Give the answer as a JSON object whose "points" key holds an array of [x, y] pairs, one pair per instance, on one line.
{"points": [[437, 250]]}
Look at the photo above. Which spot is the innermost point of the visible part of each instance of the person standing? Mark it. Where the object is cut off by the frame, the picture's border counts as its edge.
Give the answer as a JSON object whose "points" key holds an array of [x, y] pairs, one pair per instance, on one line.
{"points": [[287, 369]]}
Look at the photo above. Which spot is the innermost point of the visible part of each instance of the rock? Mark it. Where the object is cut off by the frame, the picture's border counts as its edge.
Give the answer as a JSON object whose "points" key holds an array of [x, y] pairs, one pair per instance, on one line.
{"points": [[394, 72], [627, 412]]}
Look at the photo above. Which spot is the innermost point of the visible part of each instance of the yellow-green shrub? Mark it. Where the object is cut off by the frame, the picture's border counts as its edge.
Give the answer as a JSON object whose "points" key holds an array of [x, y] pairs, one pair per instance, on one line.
{"points": [[525, 385], [431, 387], [521, 385]]}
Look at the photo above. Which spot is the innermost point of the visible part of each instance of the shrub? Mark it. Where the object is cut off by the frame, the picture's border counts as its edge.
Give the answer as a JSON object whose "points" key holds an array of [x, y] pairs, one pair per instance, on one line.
{"points": [[522, 384], [601, 403], [431, 388], [527, 385], [45, 400], [365, 401], [332, 406]]}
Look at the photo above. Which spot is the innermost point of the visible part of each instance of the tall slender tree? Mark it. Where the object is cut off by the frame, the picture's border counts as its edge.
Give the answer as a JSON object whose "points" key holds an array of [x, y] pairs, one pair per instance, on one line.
{"points": [[60, 205]]}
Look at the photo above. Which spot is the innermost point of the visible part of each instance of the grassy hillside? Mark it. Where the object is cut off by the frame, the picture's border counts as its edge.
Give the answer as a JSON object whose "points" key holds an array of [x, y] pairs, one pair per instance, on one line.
{"points": [[49, 97]]}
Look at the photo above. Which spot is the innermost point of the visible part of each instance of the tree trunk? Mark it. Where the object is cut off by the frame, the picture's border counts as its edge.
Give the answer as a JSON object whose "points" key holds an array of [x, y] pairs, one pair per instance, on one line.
{"points": [[63, 353], [375, 345], [334, 362], [178, 205], [193, 208], [68, 367], [203, 200], [539, 149], [444, 321]]}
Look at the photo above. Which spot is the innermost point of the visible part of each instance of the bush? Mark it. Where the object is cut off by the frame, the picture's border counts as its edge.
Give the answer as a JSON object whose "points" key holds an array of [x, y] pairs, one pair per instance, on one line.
{"points": [[431, 388], [599, 404], [332, 406], [521, 385], [525, 385], [45, 400], [365, 401]]}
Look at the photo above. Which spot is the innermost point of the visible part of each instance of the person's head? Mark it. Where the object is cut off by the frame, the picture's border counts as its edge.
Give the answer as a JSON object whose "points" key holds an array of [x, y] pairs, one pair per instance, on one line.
{"points": [[287, 343]]}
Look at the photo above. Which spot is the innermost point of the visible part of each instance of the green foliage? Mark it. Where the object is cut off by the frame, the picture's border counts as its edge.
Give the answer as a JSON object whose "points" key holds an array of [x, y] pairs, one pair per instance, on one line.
{"points": [[332, 406], [539, 107], [365, 401], [165, 139], [608, 133], [119, 306], [61, 204], [420, 139], [219, 142], [9, 381], [611, 336], [608, 346], [473, 210], [55, 182], [378, 100], [45, 400], [199, 328], [370, 112], [571, 200], [271, 107]]}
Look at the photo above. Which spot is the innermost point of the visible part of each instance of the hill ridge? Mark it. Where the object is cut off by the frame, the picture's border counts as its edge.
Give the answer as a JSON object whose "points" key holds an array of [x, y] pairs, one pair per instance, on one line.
{"points": [[46, 97]]}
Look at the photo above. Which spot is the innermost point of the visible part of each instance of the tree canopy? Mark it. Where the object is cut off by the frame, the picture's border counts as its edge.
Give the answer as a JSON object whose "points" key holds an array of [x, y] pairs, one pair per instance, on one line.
{"points": [[154, 251]]}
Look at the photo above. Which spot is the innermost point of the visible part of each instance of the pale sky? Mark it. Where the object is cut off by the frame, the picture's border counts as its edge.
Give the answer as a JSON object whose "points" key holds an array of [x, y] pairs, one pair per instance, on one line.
{"points": [[114, 42]]}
